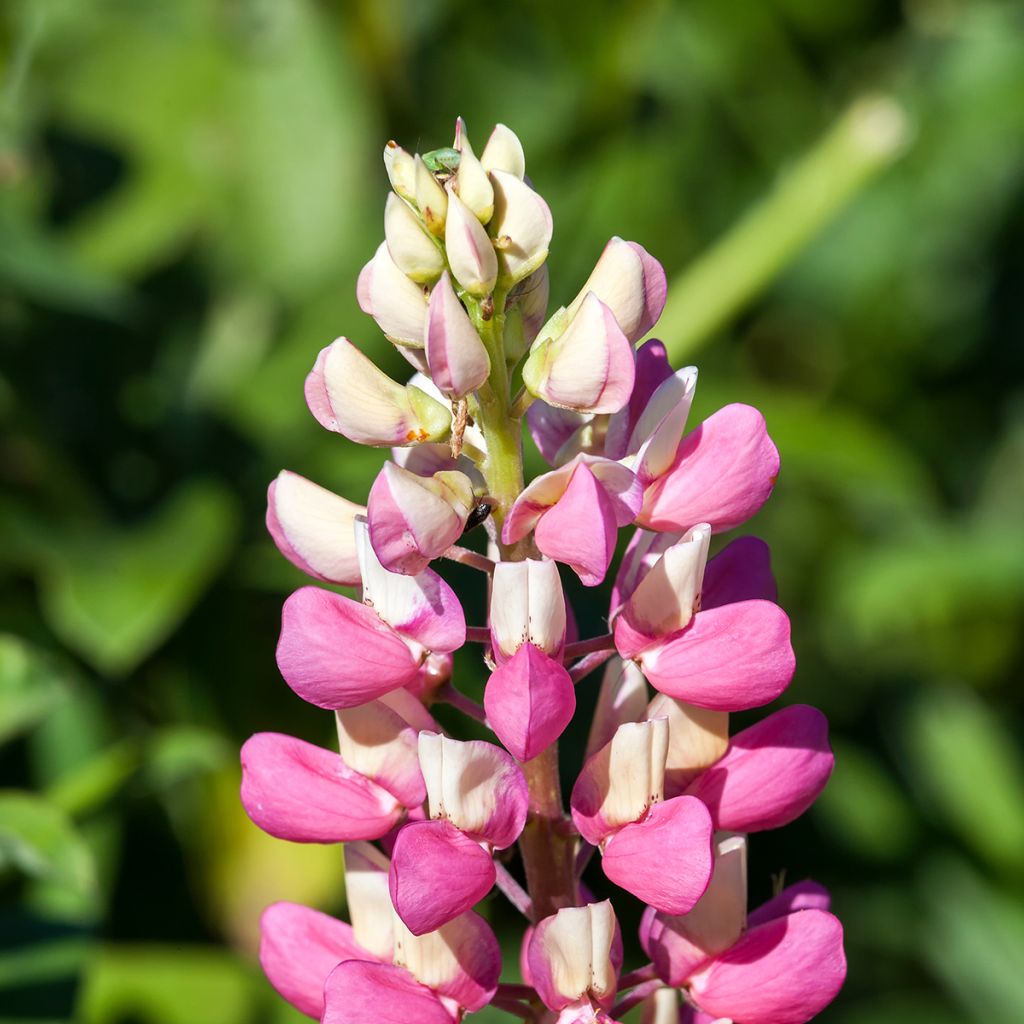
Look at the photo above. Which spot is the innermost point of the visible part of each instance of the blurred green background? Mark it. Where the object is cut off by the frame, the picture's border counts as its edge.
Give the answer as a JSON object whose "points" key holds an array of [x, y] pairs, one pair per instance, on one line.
{"points": [[188, 189]]}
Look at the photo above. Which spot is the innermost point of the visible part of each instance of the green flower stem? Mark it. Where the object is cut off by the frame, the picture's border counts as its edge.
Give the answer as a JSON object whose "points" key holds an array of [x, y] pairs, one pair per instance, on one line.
{"points": [[548, 847]]}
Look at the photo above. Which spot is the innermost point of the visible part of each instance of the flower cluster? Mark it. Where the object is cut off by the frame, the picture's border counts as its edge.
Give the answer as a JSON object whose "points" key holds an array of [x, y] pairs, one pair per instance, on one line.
{"points": [[666, 796]]}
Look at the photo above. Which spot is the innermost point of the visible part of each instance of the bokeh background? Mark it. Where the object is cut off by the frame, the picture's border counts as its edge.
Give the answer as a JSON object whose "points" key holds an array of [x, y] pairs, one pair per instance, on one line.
{"points": [[188, 189]]}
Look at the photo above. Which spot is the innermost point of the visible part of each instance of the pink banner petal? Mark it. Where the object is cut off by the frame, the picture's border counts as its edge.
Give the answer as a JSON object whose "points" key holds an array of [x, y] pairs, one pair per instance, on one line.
{"points": [[730, 658], [741, 571], [529, 701], [362, 992], [426, 852], [805, 895], [783, 972], [665, 859], [652, 367], [306, 794], [723, 473], [771, 773], [580, 529], [337, 653], [299, 948]]}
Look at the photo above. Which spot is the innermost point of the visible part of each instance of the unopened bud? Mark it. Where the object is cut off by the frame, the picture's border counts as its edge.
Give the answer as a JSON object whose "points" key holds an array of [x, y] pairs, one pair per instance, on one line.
{"points": [[471, 182], [470, 253], [396, 303], [401, 170], [504, 152], [431, 199], [456, 356], [413, 251], [522, 223]]}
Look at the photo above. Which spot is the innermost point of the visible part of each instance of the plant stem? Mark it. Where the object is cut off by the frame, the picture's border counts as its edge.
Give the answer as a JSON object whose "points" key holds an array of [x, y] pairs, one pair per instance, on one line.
{"points": [[512, 890], [637, 996], [471, 558], [587, 664], [595, 643], [461, 702]]}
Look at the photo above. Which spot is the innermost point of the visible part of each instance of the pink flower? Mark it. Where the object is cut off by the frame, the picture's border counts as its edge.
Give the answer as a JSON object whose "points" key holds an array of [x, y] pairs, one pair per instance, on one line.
{"points": [[659, 850], [731, 654], [530, 698], [575, 513], [339, 653], [781, 965], [477, 802]]}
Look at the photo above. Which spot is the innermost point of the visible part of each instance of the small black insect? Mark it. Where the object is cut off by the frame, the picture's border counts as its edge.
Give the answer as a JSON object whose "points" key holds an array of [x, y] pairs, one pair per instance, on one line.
{"points": [[477, 516]]}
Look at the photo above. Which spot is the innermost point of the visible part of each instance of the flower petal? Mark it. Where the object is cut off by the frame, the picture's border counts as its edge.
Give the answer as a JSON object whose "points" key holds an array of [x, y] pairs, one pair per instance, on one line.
{"points": [[422, 607], [362, 992], [771, 773], [529, 701], [461, 960], [783, 972], [621, 699], [456, 356], [652, 367], [589, 367], [741, 571], [723, 473], [299, 948], [552, 430], [337, 653], [806, 895], [368, 899], [521, 227], [579, 529], [348, 394], [386, 293], [476, 786], [313, 528], [412, 250], [570, 956], [665, 859], [527, 606], [306, 794], [697, 738], [504, 152], [426, 852], [471, 256], [728, 659]]}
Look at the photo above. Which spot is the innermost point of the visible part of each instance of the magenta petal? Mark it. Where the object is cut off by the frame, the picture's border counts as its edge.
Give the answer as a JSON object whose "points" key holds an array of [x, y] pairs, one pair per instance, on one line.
{"points": [[741, 571], [728, 659], [806, 895], [723, 473], [783, 972], [529, 701], [299, 948], [771, 773], [655, 289], [673, 955], [297, 791], [579, 529], [363, 992], [337, 653], [551, 428], [652, 367], [436, 874], [664, 859]]}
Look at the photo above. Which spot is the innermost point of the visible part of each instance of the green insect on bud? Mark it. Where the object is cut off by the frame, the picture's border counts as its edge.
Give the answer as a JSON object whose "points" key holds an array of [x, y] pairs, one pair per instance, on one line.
{"points": [[442, 161]]}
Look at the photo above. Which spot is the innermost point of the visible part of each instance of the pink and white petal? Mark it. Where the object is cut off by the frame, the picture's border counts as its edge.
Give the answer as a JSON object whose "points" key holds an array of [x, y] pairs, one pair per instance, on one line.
{"points": [[783, 972], [422, 607], [457, 357], [504, 152], [579, 530], [411, 522], [665, 859], [529, 701], [641, 555], [426, 852], [619, 783], [730, 658], [583, 1013], [380, 744], [674, 957], [539, 495], [299, 947], [527, 606], [395, 302], [461, 961], [620, 484], [771, 773], [697, 738], [570, 956], [470, 254], [435, 671], [477, 786], [652, 367], [365, 992], [655, 288], [806, 895], [655, 439], [552, 429], [337, 653], [522, 221], [313, 528], [368, 899], [723, 473], [294, 790], [741, 571]]}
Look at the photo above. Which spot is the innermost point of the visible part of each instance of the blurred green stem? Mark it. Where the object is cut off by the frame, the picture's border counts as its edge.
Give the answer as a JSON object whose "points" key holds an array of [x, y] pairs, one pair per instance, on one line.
{"points": [[865, 140]]}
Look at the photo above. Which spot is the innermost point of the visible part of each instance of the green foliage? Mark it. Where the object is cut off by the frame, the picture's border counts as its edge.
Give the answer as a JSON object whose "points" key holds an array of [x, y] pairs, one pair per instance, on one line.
{"points": [[188, 189]]}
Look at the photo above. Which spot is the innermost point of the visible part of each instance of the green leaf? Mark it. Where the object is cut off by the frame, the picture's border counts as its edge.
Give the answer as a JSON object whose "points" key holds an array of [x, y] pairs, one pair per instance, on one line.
{"points": [[114, 596], [38, 840], [966, 763], [32, 685]]}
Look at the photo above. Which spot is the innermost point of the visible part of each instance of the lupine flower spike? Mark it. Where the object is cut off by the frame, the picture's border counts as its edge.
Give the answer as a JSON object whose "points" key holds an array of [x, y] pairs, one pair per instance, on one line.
{"points": [[434, 824]]}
